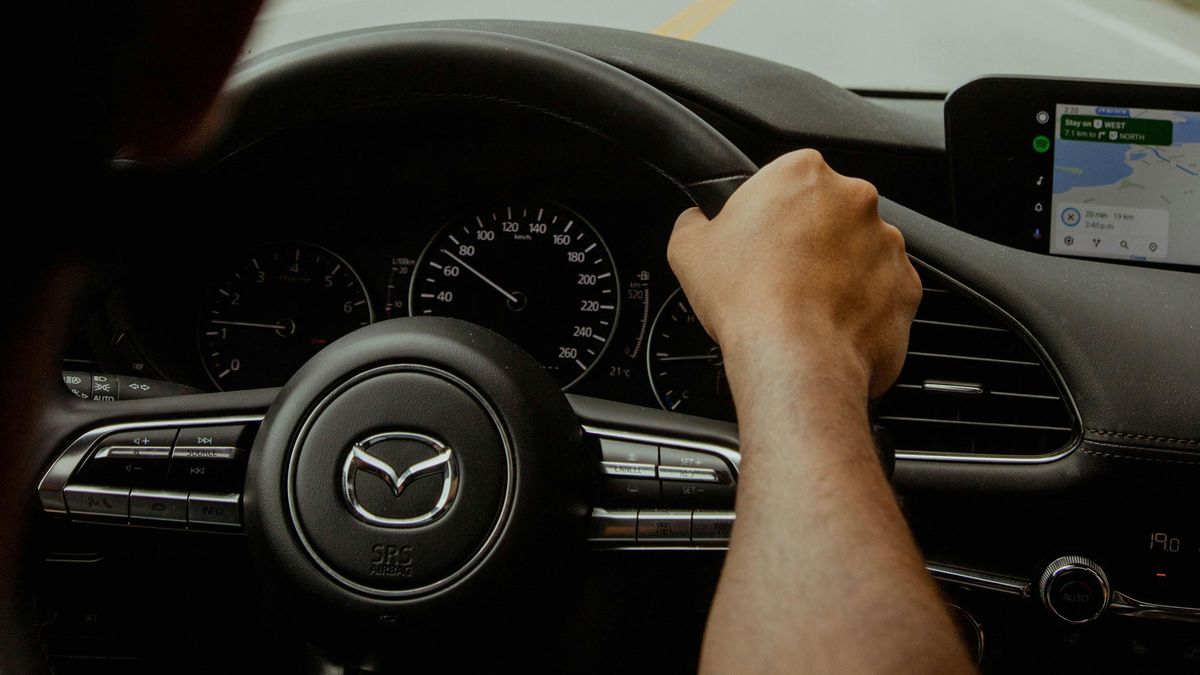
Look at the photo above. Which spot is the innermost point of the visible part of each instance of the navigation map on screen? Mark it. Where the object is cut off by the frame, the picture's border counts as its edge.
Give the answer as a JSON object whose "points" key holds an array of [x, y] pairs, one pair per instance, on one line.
{"points": [[1126, 184]]}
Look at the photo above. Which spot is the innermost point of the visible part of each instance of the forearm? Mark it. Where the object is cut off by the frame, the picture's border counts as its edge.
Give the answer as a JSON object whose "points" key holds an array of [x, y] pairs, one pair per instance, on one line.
{"points": [[820, 542]]}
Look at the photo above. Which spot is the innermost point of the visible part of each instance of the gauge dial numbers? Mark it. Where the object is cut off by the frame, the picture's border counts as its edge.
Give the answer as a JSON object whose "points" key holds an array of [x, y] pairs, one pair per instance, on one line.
{"points": [[687, 371], [275, 308], [539, 275]]}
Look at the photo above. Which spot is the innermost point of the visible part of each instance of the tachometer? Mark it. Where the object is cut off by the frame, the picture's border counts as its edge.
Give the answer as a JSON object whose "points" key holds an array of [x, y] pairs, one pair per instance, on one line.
{"points": [[687, 371], [540, 276], [276, 308]]}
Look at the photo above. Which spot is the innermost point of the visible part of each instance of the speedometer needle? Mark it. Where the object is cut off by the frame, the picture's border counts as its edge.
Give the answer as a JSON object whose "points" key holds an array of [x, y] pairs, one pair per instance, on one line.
{"points": [[249, 324], [511, 298]]}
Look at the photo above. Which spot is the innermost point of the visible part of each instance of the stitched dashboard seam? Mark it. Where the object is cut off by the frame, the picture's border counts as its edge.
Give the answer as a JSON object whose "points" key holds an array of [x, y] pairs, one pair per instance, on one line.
{"points": [[1159, 460], [1142, 437]]}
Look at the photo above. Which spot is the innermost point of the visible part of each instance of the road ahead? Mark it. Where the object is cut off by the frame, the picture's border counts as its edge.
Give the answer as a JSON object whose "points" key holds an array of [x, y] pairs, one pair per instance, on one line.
{"points": [[914, 45]]}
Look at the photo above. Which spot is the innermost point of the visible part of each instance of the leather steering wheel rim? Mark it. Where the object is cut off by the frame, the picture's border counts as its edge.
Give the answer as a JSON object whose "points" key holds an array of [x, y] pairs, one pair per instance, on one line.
{"points": [[345, 71], [326, 75]]}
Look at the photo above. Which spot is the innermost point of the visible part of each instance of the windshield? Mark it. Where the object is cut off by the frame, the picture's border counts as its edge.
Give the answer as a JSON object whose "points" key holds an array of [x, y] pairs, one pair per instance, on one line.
{"points": [[881, 45]]}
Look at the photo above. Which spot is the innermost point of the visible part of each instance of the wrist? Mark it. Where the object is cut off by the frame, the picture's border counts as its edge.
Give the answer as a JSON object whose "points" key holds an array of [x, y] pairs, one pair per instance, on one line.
{"points": [[812, 359]]}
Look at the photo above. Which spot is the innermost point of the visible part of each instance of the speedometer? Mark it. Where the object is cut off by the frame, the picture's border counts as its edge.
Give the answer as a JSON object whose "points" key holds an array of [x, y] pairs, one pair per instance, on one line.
{"points": [[539, 275]]}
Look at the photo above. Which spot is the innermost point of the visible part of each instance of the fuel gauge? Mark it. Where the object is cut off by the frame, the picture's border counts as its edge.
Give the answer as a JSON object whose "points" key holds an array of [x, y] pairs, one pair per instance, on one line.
{"points": [[687, 371]]}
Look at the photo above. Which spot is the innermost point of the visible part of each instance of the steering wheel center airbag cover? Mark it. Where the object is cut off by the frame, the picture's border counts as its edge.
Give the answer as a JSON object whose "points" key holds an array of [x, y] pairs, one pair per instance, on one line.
{"points": [[423, 462], [415, 535]]}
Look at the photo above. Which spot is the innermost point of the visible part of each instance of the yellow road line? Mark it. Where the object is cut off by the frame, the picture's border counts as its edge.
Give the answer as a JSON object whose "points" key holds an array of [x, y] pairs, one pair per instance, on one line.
{"points": [[694, 18]]}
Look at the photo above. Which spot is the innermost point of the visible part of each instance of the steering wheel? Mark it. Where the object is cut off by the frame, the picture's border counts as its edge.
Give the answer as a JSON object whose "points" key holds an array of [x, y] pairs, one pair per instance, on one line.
{"points": [[502, 455]]}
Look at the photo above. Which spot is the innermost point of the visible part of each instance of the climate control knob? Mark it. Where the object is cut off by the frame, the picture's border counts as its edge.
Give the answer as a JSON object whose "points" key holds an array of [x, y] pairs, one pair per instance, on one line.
{"points": [[1074, 589]]}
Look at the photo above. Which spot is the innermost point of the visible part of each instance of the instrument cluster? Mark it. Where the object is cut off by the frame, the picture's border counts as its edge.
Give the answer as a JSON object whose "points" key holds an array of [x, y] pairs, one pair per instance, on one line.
{"points": [[538, 272]]}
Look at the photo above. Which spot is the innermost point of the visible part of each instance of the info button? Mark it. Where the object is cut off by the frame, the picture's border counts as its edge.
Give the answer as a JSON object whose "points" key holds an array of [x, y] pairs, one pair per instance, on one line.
{"points": [[214, 509]]}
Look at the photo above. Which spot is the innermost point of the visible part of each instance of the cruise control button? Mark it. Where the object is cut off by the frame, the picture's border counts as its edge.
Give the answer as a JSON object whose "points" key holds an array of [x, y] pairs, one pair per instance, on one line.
{"points": [[630, 491], [691, 459], [712, 527], [214, 509], [627, 470], [688, 474], [661, 526], [613, 525], [626, 451], [159, 505], [711, 495], [92, 500]]}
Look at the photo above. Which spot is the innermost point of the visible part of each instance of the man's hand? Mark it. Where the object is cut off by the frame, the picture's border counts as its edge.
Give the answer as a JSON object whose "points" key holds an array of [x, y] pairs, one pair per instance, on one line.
{"points": [[810, 295], [800, 258]]}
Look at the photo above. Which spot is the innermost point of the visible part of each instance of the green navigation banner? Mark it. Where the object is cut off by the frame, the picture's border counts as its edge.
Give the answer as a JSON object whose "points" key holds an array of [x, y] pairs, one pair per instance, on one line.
{"points": [[1116, 130]]}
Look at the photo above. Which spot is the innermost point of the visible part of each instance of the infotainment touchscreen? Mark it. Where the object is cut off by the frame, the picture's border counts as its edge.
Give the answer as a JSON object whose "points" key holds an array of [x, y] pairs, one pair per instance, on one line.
{"points": [[1101, 170], [1125, 183]]}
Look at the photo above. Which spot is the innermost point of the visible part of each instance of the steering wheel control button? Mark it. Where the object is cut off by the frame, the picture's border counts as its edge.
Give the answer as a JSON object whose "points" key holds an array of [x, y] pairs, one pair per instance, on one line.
{"points": [[627, 470], [214, 509], [221, 443], [621, 491], [710, 495], [663, 526], [614, 526], [91, 500], [209, 458], [691, 459], [149, 443], [688, 474], [158, 505], [1075, 589], [131, 458], [712, 527], [612, 450]]}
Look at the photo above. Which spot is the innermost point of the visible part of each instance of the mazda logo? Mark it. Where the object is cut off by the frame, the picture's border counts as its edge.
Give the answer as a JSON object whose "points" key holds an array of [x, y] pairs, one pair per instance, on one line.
{"points": [[360, 459]]}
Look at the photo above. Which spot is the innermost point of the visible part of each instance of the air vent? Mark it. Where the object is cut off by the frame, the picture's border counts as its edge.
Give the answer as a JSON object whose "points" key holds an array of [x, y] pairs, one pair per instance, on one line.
{"points": [[972, 385]]}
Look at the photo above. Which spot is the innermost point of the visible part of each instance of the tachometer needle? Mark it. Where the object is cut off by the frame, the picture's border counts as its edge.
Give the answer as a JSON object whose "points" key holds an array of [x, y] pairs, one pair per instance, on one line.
{"points": [[697, 357], [511, 298], [249, 324]]}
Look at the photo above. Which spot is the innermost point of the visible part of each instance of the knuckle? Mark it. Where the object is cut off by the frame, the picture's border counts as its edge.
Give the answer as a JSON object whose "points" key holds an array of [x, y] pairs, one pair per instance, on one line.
{"points": [[862, 193], [916, 288], [803, 161], [893, 236]]}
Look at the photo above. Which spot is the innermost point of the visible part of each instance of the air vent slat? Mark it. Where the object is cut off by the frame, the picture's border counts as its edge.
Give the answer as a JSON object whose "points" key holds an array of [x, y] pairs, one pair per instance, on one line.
{"points": [[971, 385]]}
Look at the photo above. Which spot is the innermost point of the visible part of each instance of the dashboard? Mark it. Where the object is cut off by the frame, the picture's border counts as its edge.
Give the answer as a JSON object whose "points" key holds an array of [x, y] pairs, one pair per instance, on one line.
{"points": [[1047, 407], [556, 243]]}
